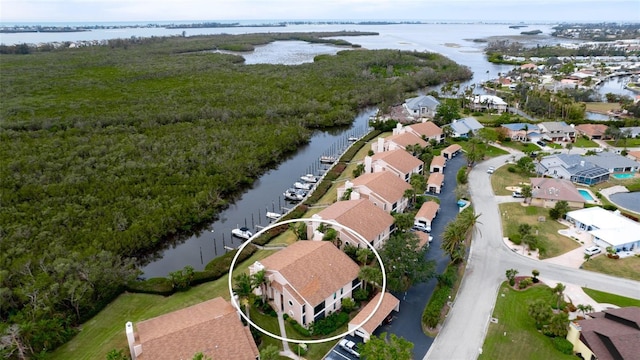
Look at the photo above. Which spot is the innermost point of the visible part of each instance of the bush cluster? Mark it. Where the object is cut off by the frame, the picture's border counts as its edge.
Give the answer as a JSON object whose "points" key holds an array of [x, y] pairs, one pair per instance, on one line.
{"points": [[563, 345], [297, 327], [330, 323], [431, 313]]}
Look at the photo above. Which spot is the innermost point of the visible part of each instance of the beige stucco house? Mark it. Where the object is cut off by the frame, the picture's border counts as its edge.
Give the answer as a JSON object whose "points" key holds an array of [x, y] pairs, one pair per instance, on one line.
{"points": [[546, 192], [435, 182], [450, 151], [398, 141], [399, 162], [384, 189]]}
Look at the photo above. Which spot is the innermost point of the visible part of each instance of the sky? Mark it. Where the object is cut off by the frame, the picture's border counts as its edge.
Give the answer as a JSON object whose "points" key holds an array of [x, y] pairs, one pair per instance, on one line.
{"points": [[143, 11]]}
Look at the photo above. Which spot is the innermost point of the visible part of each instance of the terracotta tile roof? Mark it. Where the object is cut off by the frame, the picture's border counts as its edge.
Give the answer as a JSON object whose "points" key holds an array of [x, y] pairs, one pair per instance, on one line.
{"points": [[212, 327], [398, 159], [613, 334], [428, 210], [634, 154], [314, 269], [452, 148], [423, 238], [389, 303], [407, 138], [427, 129], [385, 184], [438, 161], [436, 179], [555, 189], [360, 215], [592, 129]]}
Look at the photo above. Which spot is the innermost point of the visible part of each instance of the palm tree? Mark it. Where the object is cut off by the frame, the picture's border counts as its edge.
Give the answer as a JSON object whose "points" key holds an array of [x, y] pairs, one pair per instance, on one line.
{"points": [[260, 280], [453, 240], [527, 192], [584, 308], [243, 288], [558, 291], [469, 222], [363, 255], [370, 275]]}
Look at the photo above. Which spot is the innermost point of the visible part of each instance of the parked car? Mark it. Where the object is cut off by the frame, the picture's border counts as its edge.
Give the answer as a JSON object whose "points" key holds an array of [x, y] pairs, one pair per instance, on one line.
{"points": [[592, 250], [491, 170], [517, 194], [349, 346], [422, 227], [541, 143]]}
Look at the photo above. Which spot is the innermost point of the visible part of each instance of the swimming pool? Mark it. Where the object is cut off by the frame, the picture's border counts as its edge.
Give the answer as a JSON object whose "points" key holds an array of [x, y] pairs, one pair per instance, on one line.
{"points": [[622, 176], [586, 195]]}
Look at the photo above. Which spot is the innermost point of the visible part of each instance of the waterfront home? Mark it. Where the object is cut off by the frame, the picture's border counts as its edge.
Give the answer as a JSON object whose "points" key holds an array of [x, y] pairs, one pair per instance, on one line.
{"points": [[397, 141], [546, 192], [438, 163], [557, 131], [572, 167], [307, 280], [424, 106], [384, 189], [384, 313], [487, 102], [435, 183], [592, 131], [465, 126], [425, 130], [212, 328], [450, 151], [361, 216], [519, 131], [607, 228], [399, 162]]}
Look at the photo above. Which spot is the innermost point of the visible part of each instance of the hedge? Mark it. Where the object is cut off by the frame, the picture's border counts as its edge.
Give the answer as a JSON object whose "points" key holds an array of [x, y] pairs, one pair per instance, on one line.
{"points": [[431, 314]]}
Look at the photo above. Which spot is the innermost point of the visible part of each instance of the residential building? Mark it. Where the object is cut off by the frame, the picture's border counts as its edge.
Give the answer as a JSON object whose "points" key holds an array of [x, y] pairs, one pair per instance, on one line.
{"points": [[573, 167], [212, 328], [307, 280], [435, 182], [438, 163], [488, 102], [614, 163], [520, 131], [388, 306], [546, 192], [399, 162], [384, 189], [362, 216], [465, 126], [398, 141], [450, 151], [634, 155], [557, 131], [425, 130], [422, 106], [607, 228], [633, 131], [593, 131], [425, 215], [607, 335]]}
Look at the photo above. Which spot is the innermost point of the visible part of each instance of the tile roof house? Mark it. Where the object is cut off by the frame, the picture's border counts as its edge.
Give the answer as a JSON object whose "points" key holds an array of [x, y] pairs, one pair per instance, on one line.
{"points": [[212, 327], [608, 335], [438, 163], [546, 192], [388, 305], [450, 151], [614, 163], [384, 189], [362, 216], [573, 167], [462, 127], [557, 131], [427, 212], [488, 102], [435, 182], [308, 279], [607, 228], [422, 106], [520, 131], [399, 162], [593, 131], [397, 141], [634, 155], [426, 130]]}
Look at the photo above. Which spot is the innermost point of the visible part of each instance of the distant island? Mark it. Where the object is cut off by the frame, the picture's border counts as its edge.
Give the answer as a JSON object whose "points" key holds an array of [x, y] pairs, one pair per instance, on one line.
{"points": [[532, 32], [517, 26]]}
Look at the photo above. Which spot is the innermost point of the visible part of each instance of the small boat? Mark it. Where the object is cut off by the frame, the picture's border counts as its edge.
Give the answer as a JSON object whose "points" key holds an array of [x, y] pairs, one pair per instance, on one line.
{"points": [[310, 178], [273, 215], [352, 138], [327, 159], [242, 233], [302, 185], [294, 194]]}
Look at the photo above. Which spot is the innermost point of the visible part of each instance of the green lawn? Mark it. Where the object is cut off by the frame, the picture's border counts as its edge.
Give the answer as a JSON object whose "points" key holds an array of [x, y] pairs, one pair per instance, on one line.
{"points": [[625, 143], [554, 244], [582, 142], [606, 298], [515, 335], [489, 151], [520, 146], [627, 268], [502, 178]]}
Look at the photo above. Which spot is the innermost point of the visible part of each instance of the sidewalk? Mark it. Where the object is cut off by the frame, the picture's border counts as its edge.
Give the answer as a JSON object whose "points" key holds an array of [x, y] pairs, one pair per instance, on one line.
{"points": [[283, 332]]}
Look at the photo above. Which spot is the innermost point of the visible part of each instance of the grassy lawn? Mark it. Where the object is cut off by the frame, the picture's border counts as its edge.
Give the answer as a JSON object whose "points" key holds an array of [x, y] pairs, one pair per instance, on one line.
{"points": [[554, 145], [627, 268], [601, 107], [553, 243], [520, 146], [582, 142], [502, 178], [606, 298], [489, 151], [625, 143], [522, 340]]}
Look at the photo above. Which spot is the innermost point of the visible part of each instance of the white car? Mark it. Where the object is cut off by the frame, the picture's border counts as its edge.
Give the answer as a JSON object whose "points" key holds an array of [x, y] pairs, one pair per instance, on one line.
{"points": [[491, 170], [349, 346], [422, 227], [592, 250]]}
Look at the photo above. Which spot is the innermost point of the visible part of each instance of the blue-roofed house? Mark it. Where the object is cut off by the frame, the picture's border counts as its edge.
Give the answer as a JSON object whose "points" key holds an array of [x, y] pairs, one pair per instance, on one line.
{"points": [[572, 167], [613, 162], [462, 127], [422, 106], [521, 131]]}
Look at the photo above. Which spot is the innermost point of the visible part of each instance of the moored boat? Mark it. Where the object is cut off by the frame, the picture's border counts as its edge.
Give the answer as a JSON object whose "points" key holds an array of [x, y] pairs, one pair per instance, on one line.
{"points": [[302, 185], [310, 178], [273, 215], [242, 232], [327, 159], [294, 194]]}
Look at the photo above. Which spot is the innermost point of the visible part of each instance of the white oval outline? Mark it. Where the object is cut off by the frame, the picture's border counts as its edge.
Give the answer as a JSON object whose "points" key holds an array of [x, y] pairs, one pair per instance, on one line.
{"points": [[297, 341]]}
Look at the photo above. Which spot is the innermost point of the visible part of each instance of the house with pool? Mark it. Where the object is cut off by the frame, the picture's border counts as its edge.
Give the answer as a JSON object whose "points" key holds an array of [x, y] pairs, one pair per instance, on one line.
{"points": [[575, 168], [546, 192], [607, 228], [615, 163]]}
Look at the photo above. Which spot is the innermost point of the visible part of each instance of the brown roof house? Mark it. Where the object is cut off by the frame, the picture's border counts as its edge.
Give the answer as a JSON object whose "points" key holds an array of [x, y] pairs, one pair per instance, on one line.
{"points": [[397, 141], [592, 131], [361, 216], [388, 305], [399, 162], [608, 335], [308, 279], [546, 192], [435, 182], [212, 328], [450, 151], [438, 164], [426, 130], [384, 189], [425, 215]]}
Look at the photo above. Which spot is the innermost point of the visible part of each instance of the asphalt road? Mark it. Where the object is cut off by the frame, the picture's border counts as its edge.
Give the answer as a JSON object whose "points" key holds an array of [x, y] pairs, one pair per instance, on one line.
{"points": [[464, 329]]}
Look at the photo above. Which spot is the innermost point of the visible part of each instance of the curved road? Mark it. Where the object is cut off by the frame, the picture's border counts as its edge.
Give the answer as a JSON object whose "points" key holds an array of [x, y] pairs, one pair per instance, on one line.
{"points": [[464, 330]]}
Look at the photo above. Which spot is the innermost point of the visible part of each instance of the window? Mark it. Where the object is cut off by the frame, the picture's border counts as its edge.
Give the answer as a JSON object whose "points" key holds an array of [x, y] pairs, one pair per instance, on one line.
{"points": [[290, 303], [334, 296]]}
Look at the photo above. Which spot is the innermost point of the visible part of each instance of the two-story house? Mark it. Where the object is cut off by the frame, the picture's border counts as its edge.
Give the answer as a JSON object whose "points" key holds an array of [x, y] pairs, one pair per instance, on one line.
{"points": [[422, 106], [465, 126], [397, 141], [425, 130], [520, 131], [557, 131], [384, 189], [399, 162]]}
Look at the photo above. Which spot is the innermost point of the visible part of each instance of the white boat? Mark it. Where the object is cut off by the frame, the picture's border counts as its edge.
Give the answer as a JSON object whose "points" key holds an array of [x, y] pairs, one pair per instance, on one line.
{"points": [[352, 138], [310, 178], [302, 185], [327, 159], [273, 215], [294, 194], [242, 233]]}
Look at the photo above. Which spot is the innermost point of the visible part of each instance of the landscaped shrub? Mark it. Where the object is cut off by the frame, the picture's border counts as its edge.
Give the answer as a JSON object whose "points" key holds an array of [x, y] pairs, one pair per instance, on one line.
{"points": [[524, 283], [330, 323], [563, 345], [448, 277], [158, 286], [516, 238], [360, 295], [299, 349], [610, 207], [348, 305], [431, 314], [462, 176], [511, 169], [297, 327]]}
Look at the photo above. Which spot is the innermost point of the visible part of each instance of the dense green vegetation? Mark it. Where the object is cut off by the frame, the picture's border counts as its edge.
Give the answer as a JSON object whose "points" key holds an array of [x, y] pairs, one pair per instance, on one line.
{"points": [[109, 151]]}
